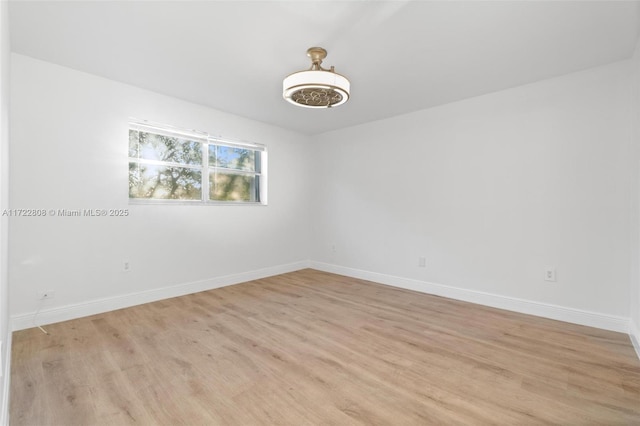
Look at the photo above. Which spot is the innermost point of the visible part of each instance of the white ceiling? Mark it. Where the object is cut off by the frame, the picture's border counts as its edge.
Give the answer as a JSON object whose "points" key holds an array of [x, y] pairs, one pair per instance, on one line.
{"points": [[400, 56]]}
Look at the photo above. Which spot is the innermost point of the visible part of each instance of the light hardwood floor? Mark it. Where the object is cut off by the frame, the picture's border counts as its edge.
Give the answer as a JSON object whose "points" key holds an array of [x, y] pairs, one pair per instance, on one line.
{"points": [[310, 348]]}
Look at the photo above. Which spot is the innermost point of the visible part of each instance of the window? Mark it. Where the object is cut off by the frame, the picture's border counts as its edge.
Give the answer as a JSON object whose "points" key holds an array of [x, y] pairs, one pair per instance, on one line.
{"points": [[186, 166]]}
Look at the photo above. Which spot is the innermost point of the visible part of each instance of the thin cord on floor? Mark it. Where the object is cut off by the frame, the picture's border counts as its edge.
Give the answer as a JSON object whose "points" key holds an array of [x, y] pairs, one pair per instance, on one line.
{"points": [[36, 314]]}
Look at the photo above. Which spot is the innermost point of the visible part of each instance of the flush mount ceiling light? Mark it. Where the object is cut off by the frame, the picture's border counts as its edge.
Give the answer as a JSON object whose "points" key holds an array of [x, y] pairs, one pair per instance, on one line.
{"points": [[316, 87]]}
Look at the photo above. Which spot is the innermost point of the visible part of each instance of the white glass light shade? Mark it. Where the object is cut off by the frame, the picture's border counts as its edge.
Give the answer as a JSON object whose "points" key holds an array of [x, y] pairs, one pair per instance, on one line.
{"points": [[316, 89]]}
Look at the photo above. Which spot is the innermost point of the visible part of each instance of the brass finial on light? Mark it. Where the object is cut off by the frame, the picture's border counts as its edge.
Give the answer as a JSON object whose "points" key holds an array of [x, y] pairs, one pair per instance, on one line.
{"points": [[317, 54]]}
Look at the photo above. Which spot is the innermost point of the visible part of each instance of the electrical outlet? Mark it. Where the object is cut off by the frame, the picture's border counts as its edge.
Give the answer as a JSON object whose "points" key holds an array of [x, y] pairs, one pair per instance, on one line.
{"points": [[333, 248], [550, 274], [46, 294], [126, 267], [422, 262]]}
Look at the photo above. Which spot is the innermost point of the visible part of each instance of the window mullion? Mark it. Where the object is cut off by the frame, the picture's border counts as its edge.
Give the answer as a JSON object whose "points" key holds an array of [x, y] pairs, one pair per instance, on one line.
{"points": [[234, 171], [205, 172], [164, 163]]}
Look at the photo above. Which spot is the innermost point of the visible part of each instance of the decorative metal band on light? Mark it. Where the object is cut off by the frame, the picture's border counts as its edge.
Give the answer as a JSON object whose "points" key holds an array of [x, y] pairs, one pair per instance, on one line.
{"points": [[317, 87]]}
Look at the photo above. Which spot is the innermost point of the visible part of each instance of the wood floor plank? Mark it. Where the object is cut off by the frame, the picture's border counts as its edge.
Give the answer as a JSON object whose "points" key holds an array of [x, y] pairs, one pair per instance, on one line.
{"points": [[309, 348]]}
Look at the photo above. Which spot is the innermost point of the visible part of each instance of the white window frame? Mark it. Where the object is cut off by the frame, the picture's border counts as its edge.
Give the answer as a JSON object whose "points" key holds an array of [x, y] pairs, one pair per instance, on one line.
{"points": [[206, 141]]}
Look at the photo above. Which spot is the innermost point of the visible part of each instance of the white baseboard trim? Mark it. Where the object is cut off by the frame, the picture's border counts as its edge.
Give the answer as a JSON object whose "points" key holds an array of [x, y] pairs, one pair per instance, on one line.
{"points": [[575, 316], [97, 306], [634, 334], [6, 381]]}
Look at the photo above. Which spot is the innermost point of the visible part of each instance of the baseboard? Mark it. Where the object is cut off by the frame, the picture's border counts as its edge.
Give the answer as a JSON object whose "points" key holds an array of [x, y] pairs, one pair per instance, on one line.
{"points": [[6, 381], [575, 316], [97, 306], [634, 334]]}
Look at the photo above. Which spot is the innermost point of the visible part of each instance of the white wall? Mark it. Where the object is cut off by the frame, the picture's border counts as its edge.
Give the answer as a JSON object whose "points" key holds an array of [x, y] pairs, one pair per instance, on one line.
{"points": [[5, 332], [69, 150], [635, 210], [490, 191]]}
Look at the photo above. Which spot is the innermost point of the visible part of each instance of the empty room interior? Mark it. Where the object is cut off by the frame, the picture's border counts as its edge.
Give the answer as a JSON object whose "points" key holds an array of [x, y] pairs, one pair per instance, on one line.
{"points": [[319, 212]]}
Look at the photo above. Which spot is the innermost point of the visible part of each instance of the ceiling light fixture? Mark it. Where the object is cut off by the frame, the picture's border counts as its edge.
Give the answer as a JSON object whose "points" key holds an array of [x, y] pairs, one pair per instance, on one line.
{"points": [[316, 87]]}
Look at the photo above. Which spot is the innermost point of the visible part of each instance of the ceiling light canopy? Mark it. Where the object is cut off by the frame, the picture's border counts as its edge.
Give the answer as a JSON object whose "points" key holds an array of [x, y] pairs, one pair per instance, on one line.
{"points": [[316, 87]]}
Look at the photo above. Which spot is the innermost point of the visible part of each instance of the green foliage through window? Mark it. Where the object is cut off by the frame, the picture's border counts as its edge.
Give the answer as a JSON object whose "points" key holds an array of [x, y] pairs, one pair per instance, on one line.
{"points": [[173, 165]]}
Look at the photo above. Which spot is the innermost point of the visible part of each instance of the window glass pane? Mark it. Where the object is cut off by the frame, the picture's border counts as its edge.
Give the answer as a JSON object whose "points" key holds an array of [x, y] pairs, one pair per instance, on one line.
{"points": [[150, 146], [232, 158], [134, 136], [164, 183], [232, 187]]}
